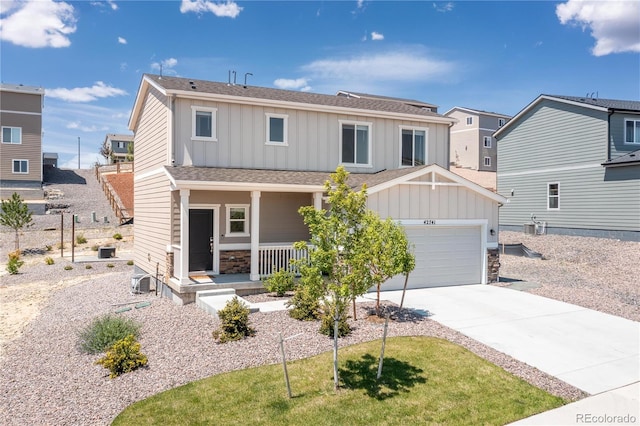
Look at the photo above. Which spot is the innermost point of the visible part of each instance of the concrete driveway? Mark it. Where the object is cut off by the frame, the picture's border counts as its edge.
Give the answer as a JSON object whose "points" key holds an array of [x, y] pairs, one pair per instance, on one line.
{"points": [[590, 350]]}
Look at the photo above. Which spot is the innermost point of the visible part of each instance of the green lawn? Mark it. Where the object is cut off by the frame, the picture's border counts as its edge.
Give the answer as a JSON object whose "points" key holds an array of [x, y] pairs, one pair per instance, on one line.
{"points": [[424, 381]]}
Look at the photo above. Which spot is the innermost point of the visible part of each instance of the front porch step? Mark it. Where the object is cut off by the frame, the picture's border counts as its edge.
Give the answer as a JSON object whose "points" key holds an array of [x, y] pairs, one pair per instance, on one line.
{"points": [[211, 301]]}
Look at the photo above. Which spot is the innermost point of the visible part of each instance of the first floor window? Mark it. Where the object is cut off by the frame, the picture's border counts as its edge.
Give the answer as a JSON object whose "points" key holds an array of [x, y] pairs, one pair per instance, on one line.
{"points": [[20, 166], [12, 135], [487, 141], [487, 161], [237, 220], [276, 129], [355, 143], [553, 196], [632, 131], [413, 147], [203, 123]]}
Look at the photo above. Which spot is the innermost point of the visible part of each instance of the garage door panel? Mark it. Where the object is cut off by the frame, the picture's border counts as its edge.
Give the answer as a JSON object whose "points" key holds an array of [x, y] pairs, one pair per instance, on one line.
{"points": [[444, 256]]}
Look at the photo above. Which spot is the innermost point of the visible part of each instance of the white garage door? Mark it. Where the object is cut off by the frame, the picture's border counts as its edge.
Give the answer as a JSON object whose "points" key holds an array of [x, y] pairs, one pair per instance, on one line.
{"points": [[444, 256]]}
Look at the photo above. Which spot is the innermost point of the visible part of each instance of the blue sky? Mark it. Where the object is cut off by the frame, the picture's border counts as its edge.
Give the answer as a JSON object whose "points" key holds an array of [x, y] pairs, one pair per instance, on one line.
{"points": [[496, 56]]}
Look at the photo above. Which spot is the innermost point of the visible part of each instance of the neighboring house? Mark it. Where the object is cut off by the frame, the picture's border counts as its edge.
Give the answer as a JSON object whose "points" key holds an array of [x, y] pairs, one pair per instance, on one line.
{"points": [[572, 162], [21, 138], [472, 143], [221, 171], [118, 147]]}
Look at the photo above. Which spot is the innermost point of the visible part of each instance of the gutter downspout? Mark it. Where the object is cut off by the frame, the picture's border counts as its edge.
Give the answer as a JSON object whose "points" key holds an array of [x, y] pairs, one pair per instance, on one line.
{"points": [[611, 111], [171, 160]]}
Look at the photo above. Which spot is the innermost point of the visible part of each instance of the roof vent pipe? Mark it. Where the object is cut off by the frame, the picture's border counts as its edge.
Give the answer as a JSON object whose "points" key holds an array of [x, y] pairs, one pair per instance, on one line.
{"points": [[245, 78], [234, 77]]}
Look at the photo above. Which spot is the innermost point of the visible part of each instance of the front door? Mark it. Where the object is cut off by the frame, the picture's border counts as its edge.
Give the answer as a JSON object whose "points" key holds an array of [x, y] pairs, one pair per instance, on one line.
{"points": [[200, 240]]}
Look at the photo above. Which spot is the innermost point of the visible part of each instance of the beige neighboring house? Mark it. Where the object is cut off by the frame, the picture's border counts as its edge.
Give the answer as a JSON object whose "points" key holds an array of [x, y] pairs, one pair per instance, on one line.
{"points": [[222, 169], [472, 143], [21, 138], [118, 147]]}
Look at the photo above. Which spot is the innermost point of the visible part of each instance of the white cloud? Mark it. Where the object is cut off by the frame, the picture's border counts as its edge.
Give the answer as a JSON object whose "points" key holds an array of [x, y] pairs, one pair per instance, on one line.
{"points": [[85, 94], [228, 9], [165, 66], [122, 40], [415, 66], [446, 7], [301, 84], [377, 36], [360, 4], [76, 125], [614, 24], [37, 23], [113, 4]]}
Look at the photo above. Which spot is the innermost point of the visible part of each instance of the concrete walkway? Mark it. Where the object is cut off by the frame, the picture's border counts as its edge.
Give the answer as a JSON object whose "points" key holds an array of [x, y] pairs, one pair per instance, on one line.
{"points": [[590, 350]]}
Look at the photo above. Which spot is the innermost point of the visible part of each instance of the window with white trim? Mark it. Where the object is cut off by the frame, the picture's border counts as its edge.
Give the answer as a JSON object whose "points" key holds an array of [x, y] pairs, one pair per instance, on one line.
{"points": [[277, 129], [632, 131], [203, 123], [501, 122], [413, 147], [20, 166], [237, 220], [487, 142], [487, 161], [355, 143], [469, 121], [553, 196], [11, 134]]}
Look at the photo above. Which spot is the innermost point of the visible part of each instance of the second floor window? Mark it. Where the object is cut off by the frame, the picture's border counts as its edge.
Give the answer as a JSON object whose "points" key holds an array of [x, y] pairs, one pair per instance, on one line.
{"points": [[21, 166], [500, 122], [413, 149], [469, 121], [11, 135], [553, 196], [277, 129], [487, 141], [632, 131], [203, 123], [355, 144]]}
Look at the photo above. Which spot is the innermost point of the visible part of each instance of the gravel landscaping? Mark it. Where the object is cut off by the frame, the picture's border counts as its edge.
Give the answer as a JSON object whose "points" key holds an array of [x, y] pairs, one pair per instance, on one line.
{"points": [[46, 380]]}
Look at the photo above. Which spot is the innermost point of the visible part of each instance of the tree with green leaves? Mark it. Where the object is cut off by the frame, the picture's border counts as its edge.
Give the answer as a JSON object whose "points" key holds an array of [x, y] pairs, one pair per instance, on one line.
{"points": [[15, 214], [340, 252]]}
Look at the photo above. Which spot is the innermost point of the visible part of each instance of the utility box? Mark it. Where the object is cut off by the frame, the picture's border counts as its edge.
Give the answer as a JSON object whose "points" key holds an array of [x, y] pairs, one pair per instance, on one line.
{"points": [[140, 283], [106, 252], [530, 228]]}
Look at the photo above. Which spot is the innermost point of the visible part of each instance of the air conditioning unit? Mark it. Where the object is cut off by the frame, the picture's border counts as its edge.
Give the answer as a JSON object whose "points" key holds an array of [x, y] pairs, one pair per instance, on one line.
{"points": [[530, 228]]}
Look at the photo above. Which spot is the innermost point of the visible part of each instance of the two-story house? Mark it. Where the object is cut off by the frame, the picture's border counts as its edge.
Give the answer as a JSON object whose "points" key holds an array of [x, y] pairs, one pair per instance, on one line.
{"points": [[119, 147], [222, 169], [472, 143], [21, 138], [572, 163]]}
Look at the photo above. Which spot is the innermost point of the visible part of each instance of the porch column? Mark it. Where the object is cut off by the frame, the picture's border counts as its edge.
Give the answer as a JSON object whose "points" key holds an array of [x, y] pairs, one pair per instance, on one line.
{"points": [[255, 235], [317, 200], [184, 236]]}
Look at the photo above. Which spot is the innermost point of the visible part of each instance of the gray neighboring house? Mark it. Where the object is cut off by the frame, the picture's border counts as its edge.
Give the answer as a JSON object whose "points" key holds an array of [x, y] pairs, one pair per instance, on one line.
{"points": [[118, 146], [573, 164], [222, 169]]}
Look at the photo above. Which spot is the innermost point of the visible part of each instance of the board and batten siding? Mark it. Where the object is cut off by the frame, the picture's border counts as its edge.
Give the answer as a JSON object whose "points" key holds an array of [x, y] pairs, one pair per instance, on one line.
{"points": [[443, 202], [312, 139], [152, 231], [152, 137]]}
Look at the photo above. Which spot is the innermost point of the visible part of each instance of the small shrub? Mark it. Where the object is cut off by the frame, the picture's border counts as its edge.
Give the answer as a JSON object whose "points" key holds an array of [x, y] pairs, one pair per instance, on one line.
{"points": [[95, 247], [235, 322], [68, 267], [110, 265], [130, 262], [279, 282], [104, 331], [87, 266], [48, 247], [117, 236], [80, 239], [304, 304], [328, 319], [124, 356], [49, 260], [14, 263], [61, 246]]}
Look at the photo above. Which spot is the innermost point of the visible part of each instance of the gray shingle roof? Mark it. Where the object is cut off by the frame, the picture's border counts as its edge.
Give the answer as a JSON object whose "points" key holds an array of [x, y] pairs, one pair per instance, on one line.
{"points": [[624, 160], [371, 103], [604, 103], [215, 175]]}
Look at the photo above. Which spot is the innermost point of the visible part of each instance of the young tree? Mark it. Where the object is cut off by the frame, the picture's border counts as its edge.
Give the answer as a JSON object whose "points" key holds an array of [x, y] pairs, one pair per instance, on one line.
{"points": [[15, 214], [129, 156], [105, 150]]}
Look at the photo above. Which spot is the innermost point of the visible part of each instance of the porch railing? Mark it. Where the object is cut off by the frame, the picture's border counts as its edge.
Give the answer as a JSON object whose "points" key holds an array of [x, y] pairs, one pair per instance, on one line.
{"points": [[271, 258]]}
